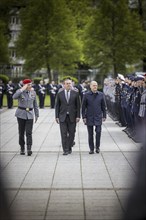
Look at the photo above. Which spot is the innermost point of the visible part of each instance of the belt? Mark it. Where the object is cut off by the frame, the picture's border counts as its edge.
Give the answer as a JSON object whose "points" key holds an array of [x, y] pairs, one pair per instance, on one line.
{"points": [[143, 103], [27, 109]]}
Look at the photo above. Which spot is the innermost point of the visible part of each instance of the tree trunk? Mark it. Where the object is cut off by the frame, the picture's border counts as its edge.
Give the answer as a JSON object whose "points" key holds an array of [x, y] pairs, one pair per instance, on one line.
{"points": [[115, 70], [49, 73], [144, 65], [140, 8]]}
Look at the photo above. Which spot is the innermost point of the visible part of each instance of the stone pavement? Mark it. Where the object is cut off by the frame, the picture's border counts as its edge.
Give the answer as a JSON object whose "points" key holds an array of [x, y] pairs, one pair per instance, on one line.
{"points": [[50, 186]]}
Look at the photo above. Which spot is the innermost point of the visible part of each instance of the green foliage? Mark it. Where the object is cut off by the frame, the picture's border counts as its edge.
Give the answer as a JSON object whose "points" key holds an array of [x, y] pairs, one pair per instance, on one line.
{"points": [[37, 80], [48, 37], [3, 44], [74, 79], [15, 102], [18, 79], [114, 37], [4, 78]]}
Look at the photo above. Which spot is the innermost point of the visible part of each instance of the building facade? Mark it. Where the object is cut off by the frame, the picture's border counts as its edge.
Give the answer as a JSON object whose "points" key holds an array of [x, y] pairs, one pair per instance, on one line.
{"points": [[16, 67]]}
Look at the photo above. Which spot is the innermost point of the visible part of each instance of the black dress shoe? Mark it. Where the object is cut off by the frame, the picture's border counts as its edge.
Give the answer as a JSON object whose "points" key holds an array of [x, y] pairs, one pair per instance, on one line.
{"points": [[22, 152], [70, 151], [29, 153], [73, 143], [91, 152], [65, 153], [97, 150]]}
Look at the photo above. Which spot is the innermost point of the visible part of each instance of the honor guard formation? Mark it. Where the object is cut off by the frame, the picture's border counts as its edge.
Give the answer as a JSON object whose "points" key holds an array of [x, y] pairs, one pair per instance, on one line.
{"points": [[126, 103]]}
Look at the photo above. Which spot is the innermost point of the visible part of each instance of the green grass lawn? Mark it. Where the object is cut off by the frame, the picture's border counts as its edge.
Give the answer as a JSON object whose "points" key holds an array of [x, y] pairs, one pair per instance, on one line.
{"points": [[15, 102]]}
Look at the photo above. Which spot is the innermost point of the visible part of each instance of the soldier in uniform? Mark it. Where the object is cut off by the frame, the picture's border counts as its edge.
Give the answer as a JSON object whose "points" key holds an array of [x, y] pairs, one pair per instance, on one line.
{"points": [[117, 99], [20, 84], [53, 92], [82, 88], [135, 107], [26, 104], [10, 88], [41, 93], [130, 125], [120, 99], [142, 112], [2, 89]]}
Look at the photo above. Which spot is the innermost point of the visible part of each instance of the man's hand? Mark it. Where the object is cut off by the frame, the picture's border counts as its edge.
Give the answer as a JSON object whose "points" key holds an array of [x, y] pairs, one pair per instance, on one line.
{"points": [[57, 120], [77, 120], [36, 118], [103, 119], [24, 87], [85, 120]]}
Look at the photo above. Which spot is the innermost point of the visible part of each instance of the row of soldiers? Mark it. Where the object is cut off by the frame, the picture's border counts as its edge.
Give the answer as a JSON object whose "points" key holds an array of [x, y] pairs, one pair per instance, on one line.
{"points": [[126, 103], [41, 89]]}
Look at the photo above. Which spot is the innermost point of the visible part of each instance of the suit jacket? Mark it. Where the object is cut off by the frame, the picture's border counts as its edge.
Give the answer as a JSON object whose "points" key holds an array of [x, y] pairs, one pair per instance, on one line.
{"points": [[26, 100], [94, 108], [72, 107]]}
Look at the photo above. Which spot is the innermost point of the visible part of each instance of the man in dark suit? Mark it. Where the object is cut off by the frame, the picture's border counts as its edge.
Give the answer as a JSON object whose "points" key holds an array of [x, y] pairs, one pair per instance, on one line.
{"points": [[93, 113], [67, 113]]}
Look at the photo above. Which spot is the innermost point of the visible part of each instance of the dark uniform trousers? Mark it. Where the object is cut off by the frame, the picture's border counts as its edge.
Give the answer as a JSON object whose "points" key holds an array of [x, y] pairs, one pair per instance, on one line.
{"points": [[41, 100], [1, 100], [10, 100], [67, 129], [25, 125], [91, 136]]}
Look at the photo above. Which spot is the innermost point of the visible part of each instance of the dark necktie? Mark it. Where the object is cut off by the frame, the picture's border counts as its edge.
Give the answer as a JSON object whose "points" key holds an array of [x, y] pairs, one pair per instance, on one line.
{"points": [[67, 96]]}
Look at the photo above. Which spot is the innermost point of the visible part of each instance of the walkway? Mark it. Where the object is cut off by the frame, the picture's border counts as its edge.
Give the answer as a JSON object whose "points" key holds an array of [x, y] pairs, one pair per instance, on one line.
{"points": [[50, 186]]}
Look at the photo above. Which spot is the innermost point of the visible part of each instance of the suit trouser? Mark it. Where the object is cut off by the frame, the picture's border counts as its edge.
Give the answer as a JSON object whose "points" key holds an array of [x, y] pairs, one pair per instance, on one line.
{"points": [[67, 129], [25, 125], [91, 136]]}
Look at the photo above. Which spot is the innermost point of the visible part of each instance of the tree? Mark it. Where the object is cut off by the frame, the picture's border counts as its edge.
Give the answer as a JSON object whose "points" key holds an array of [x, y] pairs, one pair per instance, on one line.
{"points": [[48, 36], [82, 11], [140, 7], [114, 37]]}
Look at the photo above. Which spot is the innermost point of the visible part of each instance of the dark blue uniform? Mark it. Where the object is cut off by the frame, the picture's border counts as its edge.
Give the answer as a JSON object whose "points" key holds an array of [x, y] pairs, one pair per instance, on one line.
{"points": [[41, 91], [10, 89], [2, 89]]}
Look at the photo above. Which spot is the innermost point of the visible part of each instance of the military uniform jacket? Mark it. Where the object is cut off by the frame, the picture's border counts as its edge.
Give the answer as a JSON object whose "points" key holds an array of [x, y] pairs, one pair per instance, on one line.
{"points": [[94, 108], [2, 88], [26, 100], [142, 110]]}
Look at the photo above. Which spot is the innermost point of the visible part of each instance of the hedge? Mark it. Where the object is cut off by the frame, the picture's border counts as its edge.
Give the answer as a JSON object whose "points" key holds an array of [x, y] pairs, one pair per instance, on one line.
{"points": [[4, 78]]}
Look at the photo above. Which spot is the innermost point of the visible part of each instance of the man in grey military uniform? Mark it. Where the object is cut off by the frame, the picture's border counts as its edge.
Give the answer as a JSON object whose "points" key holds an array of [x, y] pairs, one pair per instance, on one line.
{"points": [[27, 108]]}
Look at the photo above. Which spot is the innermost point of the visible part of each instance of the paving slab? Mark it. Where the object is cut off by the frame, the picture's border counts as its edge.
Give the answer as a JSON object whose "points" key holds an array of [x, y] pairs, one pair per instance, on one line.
{"points": [[79, 186]]}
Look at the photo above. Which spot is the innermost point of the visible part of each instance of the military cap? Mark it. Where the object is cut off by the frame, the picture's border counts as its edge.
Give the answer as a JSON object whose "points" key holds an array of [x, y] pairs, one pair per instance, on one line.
{"points": [[26, 81], [130, 77], [139, 77], [121, 77]]}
